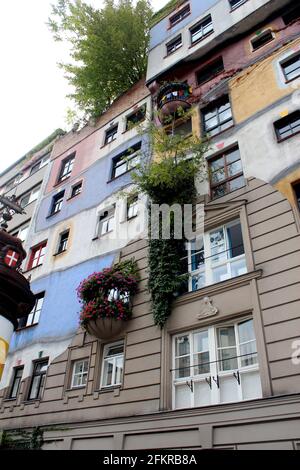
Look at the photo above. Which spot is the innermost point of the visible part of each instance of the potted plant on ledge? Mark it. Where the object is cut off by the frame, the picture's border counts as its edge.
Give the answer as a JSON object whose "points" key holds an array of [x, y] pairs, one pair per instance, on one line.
{"points": [[106, 299]]}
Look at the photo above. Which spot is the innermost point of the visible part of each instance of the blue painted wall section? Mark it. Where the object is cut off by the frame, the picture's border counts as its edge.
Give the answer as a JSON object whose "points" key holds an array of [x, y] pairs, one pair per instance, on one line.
{"points": [[60, 313], [97, 186]]}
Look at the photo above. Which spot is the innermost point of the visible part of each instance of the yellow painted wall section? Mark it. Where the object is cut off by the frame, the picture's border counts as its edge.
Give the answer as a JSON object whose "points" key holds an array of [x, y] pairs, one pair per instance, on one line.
{"points": [[257, 87], [285, 186]]}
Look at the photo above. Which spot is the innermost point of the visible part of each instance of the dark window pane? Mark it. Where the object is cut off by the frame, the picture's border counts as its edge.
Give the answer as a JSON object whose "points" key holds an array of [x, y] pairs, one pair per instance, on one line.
{"points": [[235, 238], [174, 45], [291, 15], [288, 126], [262, 39], [210, 70], [110, 135], [180, 15]]}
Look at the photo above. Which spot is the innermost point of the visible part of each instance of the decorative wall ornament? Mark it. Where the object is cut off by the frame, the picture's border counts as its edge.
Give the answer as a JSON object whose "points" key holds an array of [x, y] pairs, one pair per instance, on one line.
{"points": [[207, 309]]}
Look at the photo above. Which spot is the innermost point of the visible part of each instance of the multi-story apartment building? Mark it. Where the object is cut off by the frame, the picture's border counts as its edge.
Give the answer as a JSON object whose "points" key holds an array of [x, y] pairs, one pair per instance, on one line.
{"points": [[224, 371]]}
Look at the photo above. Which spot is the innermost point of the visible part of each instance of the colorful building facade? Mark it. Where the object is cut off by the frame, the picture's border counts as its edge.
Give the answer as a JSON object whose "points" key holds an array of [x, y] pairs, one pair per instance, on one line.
{"points": [[224, 371]]}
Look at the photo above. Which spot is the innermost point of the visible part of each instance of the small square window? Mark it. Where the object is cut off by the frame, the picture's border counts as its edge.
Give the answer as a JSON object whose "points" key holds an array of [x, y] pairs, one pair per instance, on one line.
{"points": [[291, 67], [66, 168], [217, 117], [57, 203], [37, 255], [16, 382], [135, 118], [262, 39], [80, 373], [112, 365], [110, 135], [76, 189], [174, 45], [183, 13], [182, 128], [126, 161], [63, 242], [34, 317], [201, 29], [208, 72], [288, 126]]}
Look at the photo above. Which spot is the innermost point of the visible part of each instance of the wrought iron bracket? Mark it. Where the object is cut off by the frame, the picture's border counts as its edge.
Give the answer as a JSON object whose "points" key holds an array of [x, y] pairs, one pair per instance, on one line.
{"points": [[237, 376]]}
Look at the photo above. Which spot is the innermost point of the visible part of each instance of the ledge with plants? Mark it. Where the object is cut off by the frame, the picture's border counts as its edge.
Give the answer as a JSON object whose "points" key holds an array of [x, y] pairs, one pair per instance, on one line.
{"points": [[106, 299]]}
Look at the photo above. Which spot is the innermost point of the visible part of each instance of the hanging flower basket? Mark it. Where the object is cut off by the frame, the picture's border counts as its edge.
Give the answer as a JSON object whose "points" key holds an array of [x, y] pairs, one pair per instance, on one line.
{"points": [[106, 299]]}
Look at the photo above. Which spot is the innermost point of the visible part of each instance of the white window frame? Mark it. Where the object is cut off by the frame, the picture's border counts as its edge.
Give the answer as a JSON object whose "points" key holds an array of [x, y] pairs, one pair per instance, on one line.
{"points": [[33, 196], [208, 267], [34, 316], [214, 392], [82, 374], [132, 207], [107, 224], [202, 29], [105, 358]]}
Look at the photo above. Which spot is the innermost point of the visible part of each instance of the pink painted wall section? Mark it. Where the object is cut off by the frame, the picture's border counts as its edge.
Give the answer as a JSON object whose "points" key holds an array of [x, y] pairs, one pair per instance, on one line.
{"points": [[89, 140]]}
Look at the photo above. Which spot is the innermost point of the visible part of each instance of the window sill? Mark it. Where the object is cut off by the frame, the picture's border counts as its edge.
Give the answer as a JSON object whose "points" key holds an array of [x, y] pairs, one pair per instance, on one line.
{"points": [[60, 252], [200, 40], [120, 176], [172, 53], [108, 143], [208, 137], [58, 183], [52, 215], [31, 269], [74, 389], [22, 328], [287, 138], [218, 287]]}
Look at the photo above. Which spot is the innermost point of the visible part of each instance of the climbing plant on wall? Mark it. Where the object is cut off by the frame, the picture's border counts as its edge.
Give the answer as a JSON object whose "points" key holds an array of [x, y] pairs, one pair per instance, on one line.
{"points": [[173, 163]]}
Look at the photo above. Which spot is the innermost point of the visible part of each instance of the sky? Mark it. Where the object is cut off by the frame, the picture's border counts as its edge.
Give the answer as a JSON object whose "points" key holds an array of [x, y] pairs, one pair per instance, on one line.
{"points": [[32, 87]]}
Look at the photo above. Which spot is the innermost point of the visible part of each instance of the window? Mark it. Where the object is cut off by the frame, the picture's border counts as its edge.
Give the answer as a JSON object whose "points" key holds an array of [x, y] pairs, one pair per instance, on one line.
{"points": [[210, 71], [292, 15], [112, 365], [236, 3], [183, 13], [226, 173], [76, 189], [80, 373], [217, 364], [201, 30], [39, 164], [16, 382], [30, 197], [132, 207], [174, 45], [291, 68], [34, 316], [126, 161], [297, 193], [63, 242], [110, 135], [21, 233], [287, 126], [217, 117], [38, 379], [183, 128], [262, 39], [136, 117], [216, 256], [37, 255], [66, 168], [57, 203], [14, 181], [107, 221]]}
